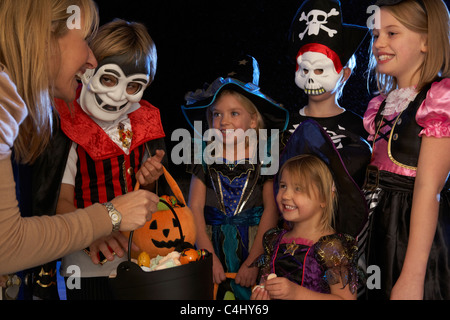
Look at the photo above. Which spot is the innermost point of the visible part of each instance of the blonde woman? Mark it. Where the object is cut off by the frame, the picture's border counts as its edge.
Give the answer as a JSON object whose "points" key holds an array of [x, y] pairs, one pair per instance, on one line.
{"points": [[40, 58]]}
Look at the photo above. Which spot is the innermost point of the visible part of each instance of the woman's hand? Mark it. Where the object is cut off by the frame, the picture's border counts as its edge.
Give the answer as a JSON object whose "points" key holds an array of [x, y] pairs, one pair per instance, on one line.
{"points": [[136, 208]]}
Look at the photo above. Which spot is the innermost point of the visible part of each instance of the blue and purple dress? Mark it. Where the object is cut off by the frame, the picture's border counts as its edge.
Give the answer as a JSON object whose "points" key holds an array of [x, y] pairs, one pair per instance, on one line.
{"points": [[233, 210]]}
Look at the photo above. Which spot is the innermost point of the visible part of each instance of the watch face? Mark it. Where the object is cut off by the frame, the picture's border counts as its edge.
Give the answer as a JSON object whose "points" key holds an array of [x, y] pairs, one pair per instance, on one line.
{"points": [[115, 217]]}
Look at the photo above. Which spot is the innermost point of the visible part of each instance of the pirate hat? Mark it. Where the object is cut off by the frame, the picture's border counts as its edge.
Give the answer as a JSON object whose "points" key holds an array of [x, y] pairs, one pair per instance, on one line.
{"points": [[318, 27], [311, 138], [244, 79]]}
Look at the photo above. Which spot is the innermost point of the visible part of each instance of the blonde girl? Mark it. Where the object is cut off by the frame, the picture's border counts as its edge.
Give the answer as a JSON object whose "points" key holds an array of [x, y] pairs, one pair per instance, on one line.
{"points": [[232, 201], [307, 200], [230, 112], [409, 124]]}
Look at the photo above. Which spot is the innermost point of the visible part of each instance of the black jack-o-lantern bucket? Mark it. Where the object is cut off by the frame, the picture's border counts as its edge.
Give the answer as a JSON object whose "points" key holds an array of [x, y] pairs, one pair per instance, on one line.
{"points": [[192, 281]]}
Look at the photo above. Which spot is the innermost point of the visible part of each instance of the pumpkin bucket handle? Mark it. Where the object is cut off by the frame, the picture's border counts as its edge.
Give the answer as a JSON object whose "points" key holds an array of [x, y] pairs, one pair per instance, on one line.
{"points": [[228, 275], [172, 184], [130, 238], [178, 194], [174, 187]]}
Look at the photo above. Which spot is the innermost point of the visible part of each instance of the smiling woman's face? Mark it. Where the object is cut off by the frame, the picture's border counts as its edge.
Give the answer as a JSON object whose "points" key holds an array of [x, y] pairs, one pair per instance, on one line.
{"points": [[75, 58]]}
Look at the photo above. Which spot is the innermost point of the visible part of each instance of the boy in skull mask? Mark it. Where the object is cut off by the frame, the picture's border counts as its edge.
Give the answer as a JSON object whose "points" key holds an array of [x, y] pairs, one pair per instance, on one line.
{"points": [[324, 49]]}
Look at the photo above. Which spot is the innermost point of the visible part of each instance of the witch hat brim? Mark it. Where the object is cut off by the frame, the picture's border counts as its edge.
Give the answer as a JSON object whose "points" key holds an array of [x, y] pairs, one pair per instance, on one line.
{"points": [[274, 115], [311, 138]]}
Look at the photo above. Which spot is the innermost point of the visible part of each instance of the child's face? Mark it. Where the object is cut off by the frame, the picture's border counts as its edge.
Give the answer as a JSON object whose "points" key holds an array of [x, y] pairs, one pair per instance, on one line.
{"points": [[398, 50], [110, 92], [294, 203], [228, 115]]}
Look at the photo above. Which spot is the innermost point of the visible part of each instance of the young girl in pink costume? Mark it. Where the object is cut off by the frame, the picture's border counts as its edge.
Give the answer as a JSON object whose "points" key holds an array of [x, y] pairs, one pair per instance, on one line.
{"points": [[409, 124]]}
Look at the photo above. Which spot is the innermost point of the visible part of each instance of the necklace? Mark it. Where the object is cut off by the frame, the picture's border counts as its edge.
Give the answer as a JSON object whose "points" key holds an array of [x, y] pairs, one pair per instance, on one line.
{"points": [[124, 135]]}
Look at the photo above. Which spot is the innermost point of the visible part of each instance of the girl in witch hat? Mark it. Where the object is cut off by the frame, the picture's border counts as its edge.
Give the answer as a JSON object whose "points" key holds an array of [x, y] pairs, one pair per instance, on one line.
{"points": [[315, 255], [232, 201]]}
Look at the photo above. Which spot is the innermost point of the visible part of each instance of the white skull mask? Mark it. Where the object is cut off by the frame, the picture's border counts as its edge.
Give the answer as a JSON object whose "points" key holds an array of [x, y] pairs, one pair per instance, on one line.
{"points": [[108, 92], [316, 73]]}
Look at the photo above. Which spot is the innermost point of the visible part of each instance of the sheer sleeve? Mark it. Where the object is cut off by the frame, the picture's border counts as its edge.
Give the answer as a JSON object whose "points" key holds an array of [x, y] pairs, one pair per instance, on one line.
{"points": [[337, 254], [370, 114], [434, 113], [264, 261]]}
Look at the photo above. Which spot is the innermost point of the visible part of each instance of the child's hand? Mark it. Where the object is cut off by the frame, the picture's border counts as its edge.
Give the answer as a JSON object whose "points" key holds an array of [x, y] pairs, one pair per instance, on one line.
{"points": [[151, 170], [3, 280], [114, 244], [282, 288], [246, 276], [259, 293], [218, 272]]}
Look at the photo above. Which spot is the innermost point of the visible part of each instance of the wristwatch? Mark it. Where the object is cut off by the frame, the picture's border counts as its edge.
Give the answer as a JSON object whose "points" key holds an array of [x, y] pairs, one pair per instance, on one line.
{"points": [[116, 217]]}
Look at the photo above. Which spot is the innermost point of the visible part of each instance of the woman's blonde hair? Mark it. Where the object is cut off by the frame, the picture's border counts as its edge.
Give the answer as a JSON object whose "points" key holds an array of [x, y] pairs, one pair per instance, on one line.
{"points": [[435, 25], [315, 178], [120, 37], [248, 105], [29, 31]]}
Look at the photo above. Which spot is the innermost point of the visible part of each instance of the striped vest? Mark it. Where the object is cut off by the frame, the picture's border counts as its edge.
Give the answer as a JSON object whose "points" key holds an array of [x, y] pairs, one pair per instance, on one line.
{"points": [[103, 180]]}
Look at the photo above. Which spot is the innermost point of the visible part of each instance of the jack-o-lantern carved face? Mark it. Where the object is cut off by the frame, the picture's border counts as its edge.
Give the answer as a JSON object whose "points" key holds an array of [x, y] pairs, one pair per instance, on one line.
{"points": [[166, 233], [167, 230], [162, 234]]}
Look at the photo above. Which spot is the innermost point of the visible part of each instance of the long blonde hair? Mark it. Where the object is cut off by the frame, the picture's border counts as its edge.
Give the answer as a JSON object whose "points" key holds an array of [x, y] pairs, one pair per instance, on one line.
{"points": [[29, 31], [435, 25], [309, 171]]}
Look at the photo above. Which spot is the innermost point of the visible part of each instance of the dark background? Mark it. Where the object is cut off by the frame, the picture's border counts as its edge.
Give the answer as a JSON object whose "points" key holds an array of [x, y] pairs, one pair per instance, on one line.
{"points": [[196, 38]]}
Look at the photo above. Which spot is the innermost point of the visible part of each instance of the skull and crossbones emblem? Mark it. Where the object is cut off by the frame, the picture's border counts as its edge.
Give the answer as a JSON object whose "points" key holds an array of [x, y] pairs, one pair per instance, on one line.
{"points": [[316, 20]]}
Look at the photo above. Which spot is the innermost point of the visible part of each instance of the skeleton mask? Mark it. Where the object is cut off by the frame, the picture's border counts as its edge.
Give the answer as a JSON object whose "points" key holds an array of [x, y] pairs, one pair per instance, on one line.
{"points": [[316, 73], [111, 90]]}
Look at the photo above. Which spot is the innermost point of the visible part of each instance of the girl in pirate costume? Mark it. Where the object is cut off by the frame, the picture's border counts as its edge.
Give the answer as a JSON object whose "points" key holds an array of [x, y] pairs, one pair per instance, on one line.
{"points": [[409, 124], [114, 137], [231, 197]]}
